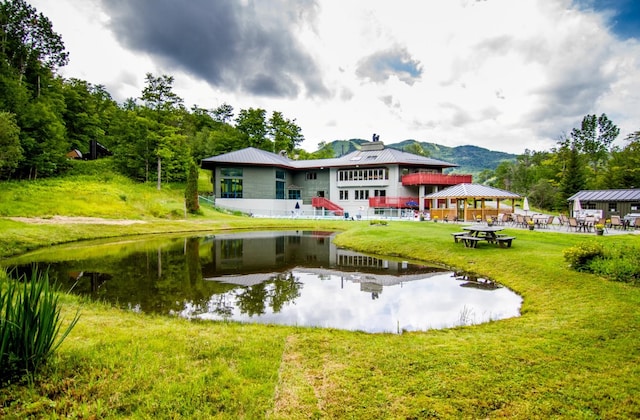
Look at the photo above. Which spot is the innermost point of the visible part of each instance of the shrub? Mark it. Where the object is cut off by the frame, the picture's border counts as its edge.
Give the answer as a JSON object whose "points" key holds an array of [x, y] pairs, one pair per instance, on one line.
{"points": [[580, 256], [619, 263], [29, 324]]}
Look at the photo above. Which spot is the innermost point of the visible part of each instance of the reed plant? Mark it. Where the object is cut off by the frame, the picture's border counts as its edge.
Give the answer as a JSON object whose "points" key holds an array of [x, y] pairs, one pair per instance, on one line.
{"points": [[30, 324]]}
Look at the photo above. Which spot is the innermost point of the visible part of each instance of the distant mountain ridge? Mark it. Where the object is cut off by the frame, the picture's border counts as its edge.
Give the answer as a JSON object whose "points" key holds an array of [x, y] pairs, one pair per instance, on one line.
{"points": [[472, 159]]}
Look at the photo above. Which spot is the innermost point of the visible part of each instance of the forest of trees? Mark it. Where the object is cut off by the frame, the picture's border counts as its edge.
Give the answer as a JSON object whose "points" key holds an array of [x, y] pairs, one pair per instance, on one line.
{"points": [[152, 137], [155, 138]]}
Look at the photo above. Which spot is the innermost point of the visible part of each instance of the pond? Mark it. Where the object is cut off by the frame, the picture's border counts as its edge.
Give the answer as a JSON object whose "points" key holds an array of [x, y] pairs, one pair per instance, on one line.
{"points": [[290, 278]]}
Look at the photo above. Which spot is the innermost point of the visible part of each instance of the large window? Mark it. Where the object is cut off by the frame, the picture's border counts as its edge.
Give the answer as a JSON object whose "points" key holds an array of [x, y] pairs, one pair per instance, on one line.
{"points": [[370, 174], [344, 195], [279, 190], [280, 177], [231, 182]]}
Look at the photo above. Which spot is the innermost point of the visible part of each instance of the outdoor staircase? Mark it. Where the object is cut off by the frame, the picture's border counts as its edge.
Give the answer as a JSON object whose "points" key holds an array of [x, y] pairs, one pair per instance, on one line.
{"points": [[323, 203]]}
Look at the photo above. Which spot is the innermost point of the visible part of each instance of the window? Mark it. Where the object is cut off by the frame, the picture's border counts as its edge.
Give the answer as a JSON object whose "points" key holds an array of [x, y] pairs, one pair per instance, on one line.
{"points": [[613, 207], [311, 176], [379, 193], [362, 194], [231, 172], [231, 182], [363, 174], [281, 175], [344, 194], [231, 188], [279, 190], [294, 194]]}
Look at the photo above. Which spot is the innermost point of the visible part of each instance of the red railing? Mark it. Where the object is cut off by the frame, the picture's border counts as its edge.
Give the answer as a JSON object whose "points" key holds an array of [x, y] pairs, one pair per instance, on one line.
{"points": [[321, 202], [394, 202], [426, 178]]}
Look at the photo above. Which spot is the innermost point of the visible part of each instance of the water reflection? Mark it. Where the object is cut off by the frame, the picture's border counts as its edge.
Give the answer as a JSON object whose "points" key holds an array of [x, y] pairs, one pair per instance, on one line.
{"points": [[291, 278]]}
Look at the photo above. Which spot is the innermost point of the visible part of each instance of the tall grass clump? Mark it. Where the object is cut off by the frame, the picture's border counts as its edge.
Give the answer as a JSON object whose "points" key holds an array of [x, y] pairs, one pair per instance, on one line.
{"points": [[30, 324]]}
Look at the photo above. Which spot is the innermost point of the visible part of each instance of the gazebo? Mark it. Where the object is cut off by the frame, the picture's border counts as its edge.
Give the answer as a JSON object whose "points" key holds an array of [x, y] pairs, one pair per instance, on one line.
{"points": [[470, 202]]}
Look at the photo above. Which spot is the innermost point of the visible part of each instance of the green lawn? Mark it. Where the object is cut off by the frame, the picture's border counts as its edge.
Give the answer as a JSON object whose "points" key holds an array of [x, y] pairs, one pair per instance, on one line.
{"points": [[574, 352]]}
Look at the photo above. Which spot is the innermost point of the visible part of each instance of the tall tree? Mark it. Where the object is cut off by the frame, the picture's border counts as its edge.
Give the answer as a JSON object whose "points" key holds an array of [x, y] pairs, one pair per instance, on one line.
{"points": [[166, 108], [191, 190], [285, 134], [623, 169], [594, 138], [573, 179], [223, 113], [10, 149], [28, 42], [251, 122]]}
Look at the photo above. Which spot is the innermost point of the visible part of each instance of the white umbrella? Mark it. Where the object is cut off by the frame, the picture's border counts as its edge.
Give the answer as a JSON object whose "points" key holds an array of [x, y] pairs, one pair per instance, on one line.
{"points": [[577, 207], [525, 205]]}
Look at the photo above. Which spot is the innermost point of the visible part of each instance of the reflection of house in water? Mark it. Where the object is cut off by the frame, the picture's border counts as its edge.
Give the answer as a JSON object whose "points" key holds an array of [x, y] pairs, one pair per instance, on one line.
{"points": [[251, 258], [260, 252]]}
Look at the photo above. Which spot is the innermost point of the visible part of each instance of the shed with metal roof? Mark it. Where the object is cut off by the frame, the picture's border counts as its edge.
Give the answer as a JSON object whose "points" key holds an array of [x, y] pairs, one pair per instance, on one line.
{"points": [[612, 202]]}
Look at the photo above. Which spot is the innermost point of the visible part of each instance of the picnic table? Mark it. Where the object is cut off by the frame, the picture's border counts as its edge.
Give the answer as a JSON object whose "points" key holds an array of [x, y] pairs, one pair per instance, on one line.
{"points": [[480, 233]]}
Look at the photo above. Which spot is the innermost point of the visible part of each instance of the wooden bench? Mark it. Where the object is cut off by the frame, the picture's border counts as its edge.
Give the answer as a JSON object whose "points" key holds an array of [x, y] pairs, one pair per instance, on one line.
{"points": [[457, 235], [505, 241], [471, 241]]}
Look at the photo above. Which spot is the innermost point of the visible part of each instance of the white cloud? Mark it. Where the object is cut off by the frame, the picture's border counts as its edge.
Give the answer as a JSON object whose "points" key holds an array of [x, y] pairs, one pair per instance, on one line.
{"points": [[498, 74]]}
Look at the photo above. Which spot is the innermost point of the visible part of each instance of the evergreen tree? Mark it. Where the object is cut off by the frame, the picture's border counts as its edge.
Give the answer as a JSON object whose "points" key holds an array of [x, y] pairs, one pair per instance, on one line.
{"points": [[573, 179], [191, 190]]}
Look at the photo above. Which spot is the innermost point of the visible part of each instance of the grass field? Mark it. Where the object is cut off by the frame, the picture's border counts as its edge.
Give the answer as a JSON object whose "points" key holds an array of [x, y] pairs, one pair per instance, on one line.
{"points": [[574, 352]]}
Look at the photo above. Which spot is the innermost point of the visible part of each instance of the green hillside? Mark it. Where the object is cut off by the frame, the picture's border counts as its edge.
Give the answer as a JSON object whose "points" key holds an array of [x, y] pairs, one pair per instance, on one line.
{"points": [[472, 159]]}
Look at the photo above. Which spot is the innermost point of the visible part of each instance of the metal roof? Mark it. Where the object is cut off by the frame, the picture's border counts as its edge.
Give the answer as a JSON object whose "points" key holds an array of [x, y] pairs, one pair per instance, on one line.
{"points": [[253, 156], [472, 191], [250, 156], [607, 195]]}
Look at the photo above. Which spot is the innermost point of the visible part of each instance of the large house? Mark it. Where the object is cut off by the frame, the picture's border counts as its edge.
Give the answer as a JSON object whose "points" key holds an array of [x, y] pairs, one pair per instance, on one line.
{"points": [[372, 180]]}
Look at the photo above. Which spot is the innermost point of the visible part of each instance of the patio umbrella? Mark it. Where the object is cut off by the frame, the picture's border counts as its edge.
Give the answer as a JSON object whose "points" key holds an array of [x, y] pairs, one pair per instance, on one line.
{"points": [[525, 205], [577, 207]]}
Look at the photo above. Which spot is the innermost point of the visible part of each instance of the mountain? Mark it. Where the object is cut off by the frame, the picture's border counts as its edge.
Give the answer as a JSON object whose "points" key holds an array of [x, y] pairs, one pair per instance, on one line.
{"points": [[472, 159]]}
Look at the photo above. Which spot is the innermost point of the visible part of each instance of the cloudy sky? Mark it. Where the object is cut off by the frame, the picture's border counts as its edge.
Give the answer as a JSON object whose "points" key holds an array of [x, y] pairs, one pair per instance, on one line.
{"points": [[502, 74]]}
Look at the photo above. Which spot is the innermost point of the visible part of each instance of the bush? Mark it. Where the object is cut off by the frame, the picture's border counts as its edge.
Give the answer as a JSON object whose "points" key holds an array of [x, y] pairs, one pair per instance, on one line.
{"points": [[620, 263], [617, 262], [580, 256], [29, 324]]}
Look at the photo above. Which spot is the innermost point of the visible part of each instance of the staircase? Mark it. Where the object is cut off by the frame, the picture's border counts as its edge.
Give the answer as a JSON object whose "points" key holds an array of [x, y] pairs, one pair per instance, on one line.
{"points": [[323, 203]]}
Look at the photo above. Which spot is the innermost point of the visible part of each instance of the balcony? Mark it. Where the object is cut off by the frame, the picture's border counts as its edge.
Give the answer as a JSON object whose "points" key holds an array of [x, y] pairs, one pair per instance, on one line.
{"points": [[426, 178]]}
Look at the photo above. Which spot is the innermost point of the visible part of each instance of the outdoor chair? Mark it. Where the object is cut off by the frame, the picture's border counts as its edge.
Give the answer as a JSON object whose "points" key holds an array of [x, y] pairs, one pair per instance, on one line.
{"points": [[616, 222], [572, 223], [562, 219], [549, 222]]}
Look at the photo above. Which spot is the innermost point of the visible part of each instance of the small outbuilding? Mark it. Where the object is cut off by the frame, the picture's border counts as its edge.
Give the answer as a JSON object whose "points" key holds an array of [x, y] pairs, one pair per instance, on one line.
{"points": [[610, 202]]}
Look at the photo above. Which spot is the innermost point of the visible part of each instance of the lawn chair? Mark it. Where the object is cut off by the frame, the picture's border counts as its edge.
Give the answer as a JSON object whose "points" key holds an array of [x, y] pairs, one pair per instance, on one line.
{"points": [[549, 221], [572, 223], [616, 223], [562, 219]]}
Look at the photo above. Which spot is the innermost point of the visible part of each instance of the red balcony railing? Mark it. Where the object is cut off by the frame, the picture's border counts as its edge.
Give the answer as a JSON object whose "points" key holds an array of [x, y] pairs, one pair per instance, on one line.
{"points": [[426, 178]]}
